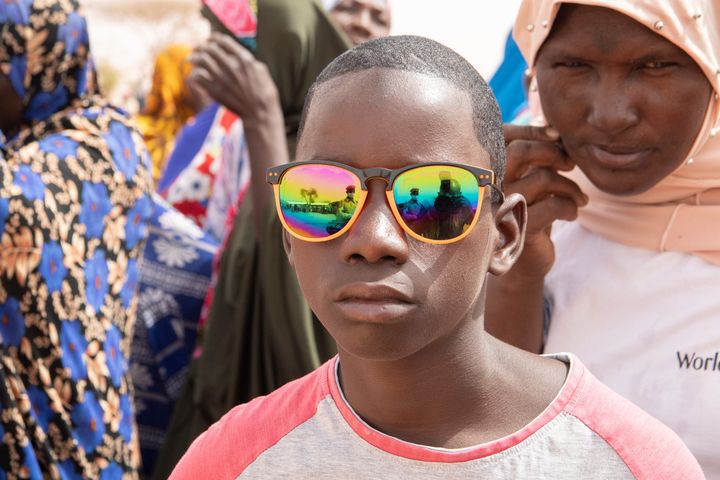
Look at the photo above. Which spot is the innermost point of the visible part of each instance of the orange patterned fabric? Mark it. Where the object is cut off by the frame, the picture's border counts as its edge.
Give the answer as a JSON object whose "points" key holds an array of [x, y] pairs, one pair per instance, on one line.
{"points": [[168, 105]]}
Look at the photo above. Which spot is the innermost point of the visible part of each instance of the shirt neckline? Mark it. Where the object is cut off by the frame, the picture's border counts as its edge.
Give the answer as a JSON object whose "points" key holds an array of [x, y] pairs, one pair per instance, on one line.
{"points": [[401, 448]]}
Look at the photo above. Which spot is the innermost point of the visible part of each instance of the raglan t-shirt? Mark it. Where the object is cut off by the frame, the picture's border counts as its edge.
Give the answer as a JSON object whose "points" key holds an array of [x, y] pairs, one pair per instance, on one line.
{"points": [[647, 324], [307, 430]]}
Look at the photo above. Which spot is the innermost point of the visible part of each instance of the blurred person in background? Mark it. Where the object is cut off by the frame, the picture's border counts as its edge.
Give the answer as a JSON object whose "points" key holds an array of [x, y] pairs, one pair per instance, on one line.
{"points": [[171, 102], [361, 20], [202, 147], [174, 278], [627, 156], [229, 186], [209, 167], [260, 332], [74, 206], [176, 270]]}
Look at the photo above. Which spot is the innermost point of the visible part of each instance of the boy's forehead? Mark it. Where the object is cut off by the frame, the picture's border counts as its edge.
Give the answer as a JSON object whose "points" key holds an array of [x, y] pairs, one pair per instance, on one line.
{"points": [[388, 85], [397, 115]]}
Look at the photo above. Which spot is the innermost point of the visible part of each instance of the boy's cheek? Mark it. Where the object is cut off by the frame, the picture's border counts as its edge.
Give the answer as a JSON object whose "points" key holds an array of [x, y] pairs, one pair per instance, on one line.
{"points": [[288, 246], [314, 269]]}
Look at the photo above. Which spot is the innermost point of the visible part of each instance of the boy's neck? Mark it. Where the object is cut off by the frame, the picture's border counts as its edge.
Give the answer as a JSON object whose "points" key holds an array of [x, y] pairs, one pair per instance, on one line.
{"points": [[469, 390]]}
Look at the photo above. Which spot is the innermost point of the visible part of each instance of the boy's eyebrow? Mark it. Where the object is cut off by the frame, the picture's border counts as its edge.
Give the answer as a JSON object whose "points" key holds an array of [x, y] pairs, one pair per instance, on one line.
{"points": [[330, 158], [413, 160]]}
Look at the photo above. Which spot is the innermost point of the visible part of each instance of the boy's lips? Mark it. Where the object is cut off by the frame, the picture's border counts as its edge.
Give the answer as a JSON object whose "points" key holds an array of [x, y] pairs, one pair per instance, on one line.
{"points": [[373, 303]]}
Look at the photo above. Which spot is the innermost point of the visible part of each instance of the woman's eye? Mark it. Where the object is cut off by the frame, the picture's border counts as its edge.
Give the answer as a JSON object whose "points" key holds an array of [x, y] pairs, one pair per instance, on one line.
{"points": [[571, 64], [657, 65], [380, 19], [346, 7], [657, 68]]}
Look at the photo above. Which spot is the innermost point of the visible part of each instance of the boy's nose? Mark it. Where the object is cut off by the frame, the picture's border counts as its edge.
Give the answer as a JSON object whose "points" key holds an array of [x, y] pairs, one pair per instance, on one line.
{"points": [[376, 236]]}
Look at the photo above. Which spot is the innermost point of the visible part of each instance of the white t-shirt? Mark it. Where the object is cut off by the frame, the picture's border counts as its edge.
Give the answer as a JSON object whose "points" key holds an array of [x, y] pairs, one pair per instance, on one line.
{"points": [[647, 324]]}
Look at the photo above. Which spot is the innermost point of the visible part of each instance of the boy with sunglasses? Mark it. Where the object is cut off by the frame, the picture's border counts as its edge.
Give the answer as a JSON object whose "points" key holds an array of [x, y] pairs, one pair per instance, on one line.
{"points": [[419, 389]]}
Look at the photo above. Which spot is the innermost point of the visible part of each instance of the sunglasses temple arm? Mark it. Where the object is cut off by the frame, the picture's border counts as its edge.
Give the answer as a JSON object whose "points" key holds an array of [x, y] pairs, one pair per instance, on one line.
{"points": [[498, 190]]}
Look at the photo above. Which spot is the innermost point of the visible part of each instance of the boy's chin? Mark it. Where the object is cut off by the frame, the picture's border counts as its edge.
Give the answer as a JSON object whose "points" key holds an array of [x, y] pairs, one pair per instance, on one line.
{"points": [[376, 355], [381, 347]]}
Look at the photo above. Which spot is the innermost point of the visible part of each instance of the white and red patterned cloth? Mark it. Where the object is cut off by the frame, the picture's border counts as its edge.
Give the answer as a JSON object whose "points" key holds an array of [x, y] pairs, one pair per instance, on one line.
{"points": [[192, 191]]}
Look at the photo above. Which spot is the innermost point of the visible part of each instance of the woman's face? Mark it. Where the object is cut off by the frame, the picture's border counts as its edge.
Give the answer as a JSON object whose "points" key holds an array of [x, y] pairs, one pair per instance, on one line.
{"points": [[628, 103], [363, 20]]}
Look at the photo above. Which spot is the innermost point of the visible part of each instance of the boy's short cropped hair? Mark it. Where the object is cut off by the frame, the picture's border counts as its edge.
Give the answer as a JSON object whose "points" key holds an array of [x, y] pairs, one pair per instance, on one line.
{"points": [[410, 53]]}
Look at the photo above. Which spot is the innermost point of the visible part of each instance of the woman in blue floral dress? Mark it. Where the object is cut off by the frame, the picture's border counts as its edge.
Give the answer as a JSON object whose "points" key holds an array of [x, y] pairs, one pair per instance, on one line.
{"points": [[74, 204]]}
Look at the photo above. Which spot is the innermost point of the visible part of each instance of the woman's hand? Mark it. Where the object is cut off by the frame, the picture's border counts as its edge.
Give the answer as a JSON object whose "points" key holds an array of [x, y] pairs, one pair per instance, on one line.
{"points": [[515, 301], [232, 76], [534, 158]]}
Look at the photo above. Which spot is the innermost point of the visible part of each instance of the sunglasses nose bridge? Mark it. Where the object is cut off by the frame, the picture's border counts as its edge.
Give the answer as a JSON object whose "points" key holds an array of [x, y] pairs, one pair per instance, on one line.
{"points": [[383, 174]]}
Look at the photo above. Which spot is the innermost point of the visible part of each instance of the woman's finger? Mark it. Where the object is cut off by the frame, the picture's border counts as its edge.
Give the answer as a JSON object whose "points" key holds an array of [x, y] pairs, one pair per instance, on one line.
{"points": [[524, 154], [232, 47], [231, 72], [202, 59], [542, 215], [215, 71], [527, 132], [543, 183], [203, 79]]}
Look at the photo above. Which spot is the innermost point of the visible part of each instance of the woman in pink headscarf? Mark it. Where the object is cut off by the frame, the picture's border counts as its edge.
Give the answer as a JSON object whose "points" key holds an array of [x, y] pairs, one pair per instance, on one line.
{"points": [[625, 151]]}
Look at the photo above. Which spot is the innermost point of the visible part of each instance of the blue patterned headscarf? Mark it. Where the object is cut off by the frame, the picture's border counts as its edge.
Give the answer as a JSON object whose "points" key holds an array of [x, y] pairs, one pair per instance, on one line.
{"points": [[45, 52]]}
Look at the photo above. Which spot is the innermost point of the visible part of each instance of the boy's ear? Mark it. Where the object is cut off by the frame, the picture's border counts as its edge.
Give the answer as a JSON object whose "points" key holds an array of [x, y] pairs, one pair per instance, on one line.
{"points": [[288, 247], [511, 225]]}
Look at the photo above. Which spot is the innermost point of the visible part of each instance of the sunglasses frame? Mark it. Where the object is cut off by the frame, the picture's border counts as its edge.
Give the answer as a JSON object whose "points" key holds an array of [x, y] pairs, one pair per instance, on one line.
{"points": [[484, 177]]}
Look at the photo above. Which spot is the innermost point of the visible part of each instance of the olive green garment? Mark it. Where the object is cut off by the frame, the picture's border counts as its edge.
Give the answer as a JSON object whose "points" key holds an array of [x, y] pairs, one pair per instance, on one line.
{"points": [[296, 40], [260, 333]]}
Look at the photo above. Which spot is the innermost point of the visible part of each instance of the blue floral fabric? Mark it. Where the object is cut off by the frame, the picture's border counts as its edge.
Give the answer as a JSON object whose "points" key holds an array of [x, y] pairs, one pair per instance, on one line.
{"points": [[74, 208], [174, 280]]}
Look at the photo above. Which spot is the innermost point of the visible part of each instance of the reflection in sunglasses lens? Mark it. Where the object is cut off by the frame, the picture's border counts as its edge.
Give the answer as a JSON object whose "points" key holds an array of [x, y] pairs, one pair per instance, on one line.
{"points": [[318, 201], [437, 202]]}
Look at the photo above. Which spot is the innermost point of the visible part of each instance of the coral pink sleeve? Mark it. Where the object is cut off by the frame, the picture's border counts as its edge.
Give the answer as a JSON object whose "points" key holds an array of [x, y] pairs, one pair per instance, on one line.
{"points": [[228, 447], [649, 449]]}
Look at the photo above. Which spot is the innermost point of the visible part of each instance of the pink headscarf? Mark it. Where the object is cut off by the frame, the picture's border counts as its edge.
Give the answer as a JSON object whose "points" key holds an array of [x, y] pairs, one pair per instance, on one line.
{"points": [[238, 16], [682, 212]]}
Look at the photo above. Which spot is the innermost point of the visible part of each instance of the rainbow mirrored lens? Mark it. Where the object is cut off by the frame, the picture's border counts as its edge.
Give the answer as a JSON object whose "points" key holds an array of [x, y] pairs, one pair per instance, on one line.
{"points": [[437, 202], [318, 200]]}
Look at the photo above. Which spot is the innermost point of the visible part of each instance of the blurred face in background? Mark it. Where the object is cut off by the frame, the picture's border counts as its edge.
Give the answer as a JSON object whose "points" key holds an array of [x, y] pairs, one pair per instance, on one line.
{"points": [[362, 20]]}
